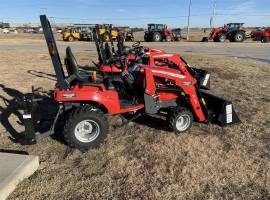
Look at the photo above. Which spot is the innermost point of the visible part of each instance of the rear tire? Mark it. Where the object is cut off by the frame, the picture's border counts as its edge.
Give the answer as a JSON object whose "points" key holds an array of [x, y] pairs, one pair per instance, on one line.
{"points": [[71, 39], [239, 37], [85, 128], [168, 38], [180, 120], [264, 40], [178, 38], [157, 37]]}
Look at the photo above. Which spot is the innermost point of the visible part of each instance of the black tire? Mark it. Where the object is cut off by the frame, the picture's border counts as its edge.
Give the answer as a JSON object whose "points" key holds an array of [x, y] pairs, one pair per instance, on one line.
{"points": [[85, 114], [71, 39], [157, 37], [222, 38], [205, 39], [168, 38], [178, 38], [239, 37], [106, 37], [231, 38], [264, 40], [146, 38], [175, 115]]}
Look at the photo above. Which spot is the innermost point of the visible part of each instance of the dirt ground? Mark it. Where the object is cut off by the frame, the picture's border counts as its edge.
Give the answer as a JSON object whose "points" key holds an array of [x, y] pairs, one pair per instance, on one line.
{"points": [[144, 160]]}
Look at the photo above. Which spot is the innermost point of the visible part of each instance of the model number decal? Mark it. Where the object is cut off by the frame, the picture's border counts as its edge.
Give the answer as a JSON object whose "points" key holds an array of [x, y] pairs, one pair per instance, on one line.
{"points": [[169, 73], [72, 95]]}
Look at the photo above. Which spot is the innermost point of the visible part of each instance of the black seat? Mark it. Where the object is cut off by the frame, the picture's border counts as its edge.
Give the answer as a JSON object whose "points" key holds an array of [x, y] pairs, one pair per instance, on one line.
{"points": [[75, 72]]}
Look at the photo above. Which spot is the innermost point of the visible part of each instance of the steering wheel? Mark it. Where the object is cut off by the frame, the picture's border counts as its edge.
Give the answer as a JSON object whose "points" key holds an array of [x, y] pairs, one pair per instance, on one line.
{"points": [[116, 60], [136, 45]]}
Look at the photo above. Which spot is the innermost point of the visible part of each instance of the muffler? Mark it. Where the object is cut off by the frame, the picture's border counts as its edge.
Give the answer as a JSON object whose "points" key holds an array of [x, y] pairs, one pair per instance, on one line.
{"points": [[219, 110]]}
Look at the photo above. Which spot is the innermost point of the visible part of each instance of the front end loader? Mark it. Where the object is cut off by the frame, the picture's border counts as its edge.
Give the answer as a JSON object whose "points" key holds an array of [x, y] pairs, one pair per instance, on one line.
{"points": [[234, 32]]}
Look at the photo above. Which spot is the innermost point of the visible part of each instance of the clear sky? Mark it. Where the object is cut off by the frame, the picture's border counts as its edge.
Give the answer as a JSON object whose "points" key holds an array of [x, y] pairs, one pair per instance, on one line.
{"points": [[138, 12]]}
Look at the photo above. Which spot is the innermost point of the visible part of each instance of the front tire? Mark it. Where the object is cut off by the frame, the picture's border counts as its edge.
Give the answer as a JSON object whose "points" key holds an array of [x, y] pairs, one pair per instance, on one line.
{"points": [[85, 128], [222, 38], [146, 38], [180, 120]]}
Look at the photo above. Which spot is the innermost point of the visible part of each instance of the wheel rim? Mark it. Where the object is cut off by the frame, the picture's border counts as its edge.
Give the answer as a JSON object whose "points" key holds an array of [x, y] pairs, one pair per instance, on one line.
{"points": [[70, 39], [223, 38], [157, 38], [87, 131], [183, 122], [239, 37]]}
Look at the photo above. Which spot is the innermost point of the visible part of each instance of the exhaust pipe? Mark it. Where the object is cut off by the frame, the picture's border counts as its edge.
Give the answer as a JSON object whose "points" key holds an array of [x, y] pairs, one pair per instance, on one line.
{"points": [[219, 110]]}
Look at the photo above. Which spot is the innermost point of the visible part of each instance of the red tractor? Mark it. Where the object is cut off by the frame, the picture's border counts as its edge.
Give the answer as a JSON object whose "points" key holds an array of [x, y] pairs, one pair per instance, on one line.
{"points": [[234, 32], [262, 34], [134, 80], [160, 32]]}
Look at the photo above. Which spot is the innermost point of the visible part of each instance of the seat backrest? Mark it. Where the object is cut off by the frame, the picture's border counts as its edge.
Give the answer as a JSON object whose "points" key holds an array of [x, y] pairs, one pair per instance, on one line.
{"points": [[107, 51], [71, 63]]}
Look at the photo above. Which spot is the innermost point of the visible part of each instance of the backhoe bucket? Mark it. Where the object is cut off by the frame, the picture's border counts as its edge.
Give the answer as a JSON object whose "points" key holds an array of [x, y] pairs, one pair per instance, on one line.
{"points": [[220, 111]]}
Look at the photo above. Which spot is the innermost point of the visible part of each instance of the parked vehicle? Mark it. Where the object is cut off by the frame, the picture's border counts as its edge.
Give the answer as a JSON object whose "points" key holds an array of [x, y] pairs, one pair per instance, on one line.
{"points": [[234, 32], [6, 31], [262, 34], [160, 32], [72, 34]]}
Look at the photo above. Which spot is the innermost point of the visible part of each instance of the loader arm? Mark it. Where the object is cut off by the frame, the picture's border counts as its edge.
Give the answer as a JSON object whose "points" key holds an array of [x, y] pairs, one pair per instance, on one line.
{"points": [[181, 81]]}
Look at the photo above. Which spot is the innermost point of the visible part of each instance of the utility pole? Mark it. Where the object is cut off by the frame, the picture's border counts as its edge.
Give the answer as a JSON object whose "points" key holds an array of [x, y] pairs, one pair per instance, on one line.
{"points": [[214, 14], [189, 9]]}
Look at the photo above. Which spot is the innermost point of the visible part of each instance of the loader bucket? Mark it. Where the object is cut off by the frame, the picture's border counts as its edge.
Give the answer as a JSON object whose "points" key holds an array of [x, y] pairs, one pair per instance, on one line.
{"points": [[220, 111]]}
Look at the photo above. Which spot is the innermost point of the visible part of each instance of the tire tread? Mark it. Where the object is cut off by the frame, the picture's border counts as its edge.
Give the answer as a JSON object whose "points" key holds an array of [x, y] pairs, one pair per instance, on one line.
{"points": [[73, 115]]}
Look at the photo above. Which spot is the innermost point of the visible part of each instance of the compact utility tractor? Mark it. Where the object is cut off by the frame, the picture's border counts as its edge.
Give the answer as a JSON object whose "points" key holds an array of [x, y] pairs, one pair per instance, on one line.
{"points": [[234, 32], [262, 34], [160, 32], [131, 81]]}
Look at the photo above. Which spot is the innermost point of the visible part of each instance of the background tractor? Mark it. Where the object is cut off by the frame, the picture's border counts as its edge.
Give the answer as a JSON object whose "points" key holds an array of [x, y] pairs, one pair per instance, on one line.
{"points": [[160, 32], [262, 34], [234, 32]]}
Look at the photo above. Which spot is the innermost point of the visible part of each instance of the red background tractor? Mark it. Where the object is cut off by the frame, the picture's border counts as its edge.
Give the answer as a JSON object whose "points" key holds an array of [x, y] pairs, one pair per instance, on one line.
{"points": [[262, 35], [234, 32], [160, 32]]}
